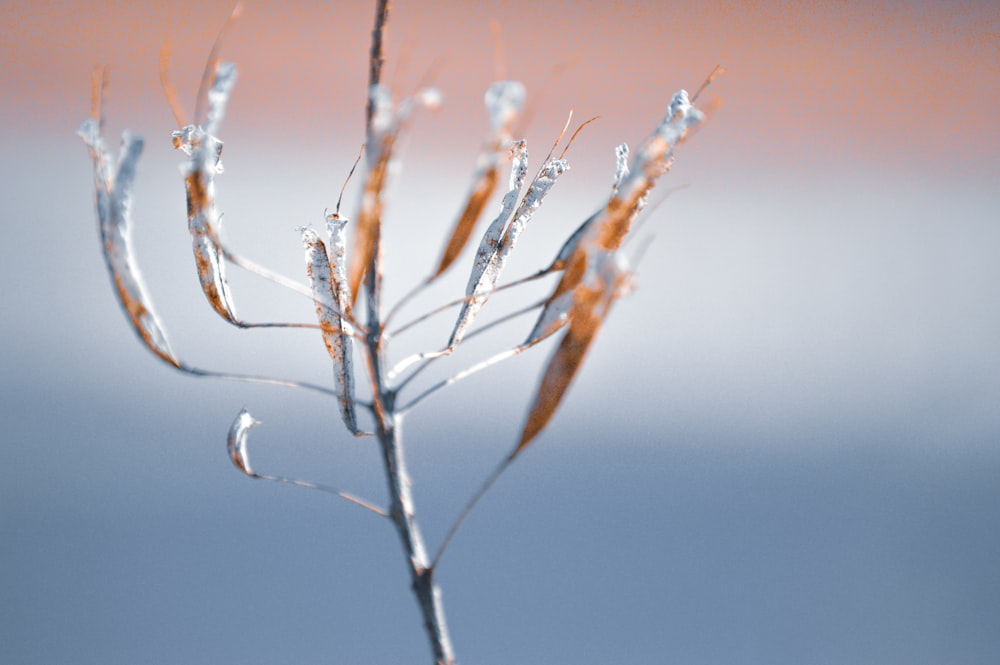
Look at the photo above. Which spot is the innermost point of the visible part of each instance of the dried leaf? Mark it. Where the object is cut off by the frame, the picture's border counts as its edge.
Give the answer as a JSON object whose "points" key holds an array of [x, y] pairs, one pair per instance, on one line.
{"points": [[204, 163], [654, 159], [384, 129], [337, 333], [495, 249], [591, 303], [236, 442], [490, 243], [539, 187], [212, 65], [218, 96], [485, 183], [590, 261], [113, 191], [606, 230], [504, 101], [368, 229]]}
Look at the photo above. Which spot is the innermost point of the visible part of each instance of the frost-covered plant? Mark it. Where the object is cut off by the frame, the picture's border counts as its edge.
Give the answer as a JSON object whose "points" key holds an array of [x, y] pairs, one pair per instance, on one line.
{"points": [[593, 271]]}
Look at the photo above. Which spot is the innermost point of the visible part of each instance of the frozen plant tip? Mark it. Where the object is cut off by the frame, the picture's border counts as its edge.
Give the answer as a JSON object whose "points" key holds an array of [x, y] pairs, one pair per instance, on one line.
{"points": [[342, 276]]}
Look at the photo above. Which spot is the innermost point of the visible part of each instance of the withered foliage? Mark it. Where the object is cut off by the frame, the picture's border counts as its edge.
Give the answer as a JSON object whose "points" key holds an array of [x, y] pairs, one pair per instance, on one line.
{"points": [[593, 271]]}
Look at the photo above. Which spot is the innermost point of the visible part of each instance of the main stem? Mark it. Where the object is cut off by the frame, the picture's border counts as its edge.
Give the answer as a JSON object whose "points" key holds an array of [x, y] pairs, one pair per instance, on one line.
{"points": [[401, 512], [387, 421]]}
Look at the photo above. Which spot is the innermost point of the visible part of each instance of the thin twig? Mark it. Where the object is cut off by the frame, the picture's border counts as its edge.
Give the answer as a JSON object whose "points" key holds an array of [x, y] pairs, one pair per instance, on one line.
{"points": [[573, 137], [347, 180], [485, 487], [168, 86], [467, 372], [431, 356], [248, 378], [376, 60], [454, 303], [322, 488], [410, 295], [213, 57], [718, 71]]}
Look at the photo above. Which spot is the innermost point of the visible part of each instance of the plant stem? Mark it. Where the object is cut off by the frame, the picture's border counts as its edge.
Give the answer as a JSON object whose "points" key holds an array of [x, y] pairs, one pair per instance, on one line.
{"points": [[387, 420], [402, 515], [401, 510], [387, 428]]}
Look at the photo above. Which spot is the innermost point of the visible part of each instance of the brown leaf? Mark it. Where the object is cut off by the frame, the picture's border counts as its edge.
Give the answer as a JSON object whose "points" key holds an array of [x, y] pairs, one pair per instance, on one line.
{"points": [[466, 223], [504, 100], [591, 303], [368, 228], [384, 127]]}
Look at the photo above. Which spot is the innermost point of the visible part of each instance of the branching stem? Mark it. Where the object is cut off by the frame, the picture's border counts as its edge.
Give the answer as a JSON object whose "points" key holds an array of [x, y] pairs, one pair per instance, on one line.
{"points": [[387, 420]]}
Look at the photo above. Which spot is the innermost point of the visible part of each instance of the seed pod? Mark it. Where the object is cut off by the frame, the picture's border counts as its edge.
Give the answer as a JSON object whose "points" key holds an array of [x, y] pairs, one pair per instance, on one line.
{"points": [[592, 301], [204, 163], [499, 242], [504, 101], [337, 333], [113, 197]]}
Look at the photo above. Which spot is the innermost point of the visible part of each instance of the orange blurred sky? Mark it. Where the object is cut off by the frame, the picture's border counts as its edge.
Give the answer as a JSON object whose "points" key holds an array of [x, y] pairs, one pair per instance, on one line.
{"points": [[899, 83]]}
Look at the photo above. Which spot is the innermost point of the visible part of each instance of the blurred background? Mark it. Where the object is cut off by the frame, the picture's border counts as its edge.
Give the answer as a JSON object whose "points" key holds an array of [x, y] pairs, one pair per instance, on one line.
{"points": [[783, 447]]}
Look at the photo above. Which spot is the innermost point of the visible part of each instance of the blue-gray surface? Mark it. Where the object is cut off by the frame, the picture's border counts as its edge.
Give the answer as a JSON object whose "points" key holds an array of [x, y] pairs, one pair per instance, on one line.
{"points": [[783, 450]]}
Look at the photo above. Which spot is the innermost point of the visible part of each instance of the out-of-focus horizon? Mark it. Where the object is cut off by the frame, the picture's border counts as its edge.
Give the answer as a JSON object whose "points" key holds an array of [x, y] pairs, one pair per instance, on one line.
{"points": [[783, 448]]}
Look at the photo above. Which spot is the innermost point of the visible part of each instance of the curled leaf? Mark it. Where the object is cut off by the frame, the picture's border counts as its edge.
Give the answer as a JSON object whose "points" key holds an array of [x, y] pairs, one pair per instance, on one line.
{"points": [[113, 197], [204, 163], [236, 442]]}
